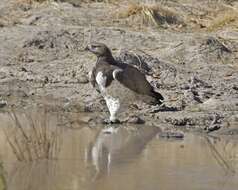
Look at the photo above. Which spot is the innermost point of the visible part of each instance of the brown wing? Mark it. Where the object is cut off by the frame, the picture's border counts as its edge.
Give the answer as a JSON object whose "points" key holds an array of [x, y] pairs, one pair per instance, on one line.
{"points": [[92, 77], [133, 79]]}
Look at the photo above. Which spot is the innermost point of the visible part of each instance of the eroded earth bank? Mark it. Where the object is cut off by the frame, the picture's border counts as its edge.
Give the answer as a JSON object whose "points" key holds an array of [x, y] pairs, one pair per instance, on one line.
{"points": [[187, 48]]}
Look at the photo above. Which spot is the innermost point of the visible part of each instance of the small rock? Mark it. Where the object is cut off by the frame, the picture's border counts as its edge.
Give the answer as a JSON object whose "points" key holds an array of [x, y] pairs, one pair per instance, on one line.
{"points": [[135, 120], [184, 87], [172, 134], [83, 80], [23, 69], [30, 20], [3, 103], [212, 128], [235, 87]]}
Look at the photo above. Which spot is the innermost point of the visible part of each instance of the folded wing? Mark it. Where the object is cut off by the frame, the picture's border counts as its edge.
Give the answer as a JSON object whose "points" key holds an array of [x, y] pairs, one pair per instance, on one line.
{"points": [[133, 79]]}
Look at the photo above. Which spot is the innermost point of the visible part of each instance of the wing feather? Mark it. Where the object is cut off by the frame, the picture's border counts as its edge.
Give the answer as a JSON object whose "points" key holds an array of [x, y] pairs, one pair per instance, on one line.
{"points": [[133, 79], [92, 79]]}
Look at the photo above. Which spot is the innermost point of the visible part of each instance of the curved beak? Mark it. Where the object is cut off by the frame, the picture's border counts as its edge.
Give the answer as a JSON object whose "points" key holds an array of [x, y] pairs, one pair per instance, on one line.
{"points": [[88, 48]]}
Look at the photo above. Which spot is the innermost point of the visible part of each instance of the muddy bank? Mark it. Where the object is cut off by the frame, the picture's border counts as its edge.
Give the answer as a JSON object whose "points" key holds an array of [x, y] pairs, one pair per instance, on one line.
{"points": [[192, 64]]}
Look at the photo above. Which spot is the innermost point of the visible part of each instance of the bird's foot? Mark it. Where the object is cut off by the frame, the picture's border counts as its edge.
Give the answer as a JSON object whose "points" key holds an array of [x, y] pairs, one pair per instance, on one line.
{"points": [[108, 121]]}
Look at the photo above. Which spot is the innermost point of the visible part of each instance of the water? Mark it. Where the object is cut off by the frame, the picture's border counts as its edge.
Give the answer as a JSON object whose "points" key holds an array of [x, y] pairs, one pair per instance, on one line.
{"points": [[100, 158]]}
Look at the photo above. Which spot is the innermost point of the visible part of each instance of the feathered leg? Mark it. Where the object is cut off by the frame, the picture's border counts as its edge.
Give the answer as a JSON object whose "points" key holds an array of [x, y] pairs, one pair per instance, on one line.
{"points": [[113, 105]]}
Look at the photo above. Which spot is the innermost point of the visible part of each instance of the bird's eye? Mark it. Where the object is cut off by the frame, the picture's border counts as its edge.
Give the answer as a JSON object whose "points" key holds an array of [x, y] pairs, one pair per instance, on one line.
{"points": [[93, 46]]}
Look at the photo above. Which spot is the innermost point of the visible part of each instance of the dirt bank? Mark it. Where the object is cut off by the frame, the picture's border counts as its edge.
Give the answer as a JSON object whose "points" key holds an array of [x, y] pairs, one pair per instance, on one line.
{"points": [[189, 52]]}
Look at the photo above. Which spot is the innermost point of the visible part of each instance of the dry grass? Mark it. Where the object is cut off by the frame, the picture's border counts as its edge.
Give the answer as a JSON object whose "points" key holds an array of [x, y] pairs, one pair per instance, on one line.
{"points": [[224, 19], [224, 153], [33, 139], [70, 1], [147, 15], [30, 1], [105, 1]]}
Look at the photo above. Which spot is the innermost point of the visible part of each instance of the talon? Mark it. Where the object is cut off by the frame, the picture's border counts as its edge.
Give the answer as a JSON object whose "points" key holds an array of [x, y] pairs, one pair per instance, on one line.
{"points": [[116, 121], [108, 121]]}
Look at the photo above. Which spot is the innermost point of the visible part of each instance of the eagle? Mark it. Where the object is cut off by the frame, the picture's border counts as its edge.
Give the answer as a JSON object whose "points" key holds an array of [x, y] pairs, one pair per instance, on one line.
{"points": [[108, 72]]}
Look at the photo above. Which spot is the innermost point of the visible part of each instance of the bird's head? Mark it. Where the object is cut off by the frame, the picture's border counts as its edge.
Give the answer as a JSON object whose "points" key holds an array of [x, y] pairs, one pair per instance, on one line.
{"points": [[99, 49]]}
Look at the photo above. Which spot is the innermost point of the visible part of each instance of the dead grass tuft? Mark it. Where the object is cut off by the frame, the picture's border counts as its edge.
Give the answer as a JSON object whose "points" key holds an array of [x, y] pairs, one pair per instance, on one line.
{"points": [[224, 19], [105, 1], [30, 1], [34, 138], [70, 1], [147, 15]]}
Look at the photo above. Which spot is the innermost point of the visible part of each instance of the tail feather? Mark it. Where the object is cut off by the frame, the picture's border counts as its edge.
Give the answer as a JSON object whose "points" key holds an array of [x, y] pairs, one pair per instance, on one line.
{"points": [[158, 97]]}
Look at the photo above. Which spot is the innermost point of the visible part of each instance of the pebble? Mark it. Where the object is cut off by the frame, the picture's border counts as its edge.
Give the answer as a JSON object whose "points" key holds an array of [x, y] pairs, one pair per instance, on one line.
{"points": [[171, 135], [3, 103], [135, 120], [83, 80]]}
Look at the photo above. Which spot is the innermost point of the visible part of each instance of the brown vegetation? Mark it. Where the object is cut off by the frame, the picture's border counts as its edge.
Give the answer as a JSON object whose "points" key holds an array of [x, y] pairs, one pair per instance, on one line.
{"points": [[33, 138], [224, 19], [147, 15], [141, 14], [30, 1], [70, 1]]}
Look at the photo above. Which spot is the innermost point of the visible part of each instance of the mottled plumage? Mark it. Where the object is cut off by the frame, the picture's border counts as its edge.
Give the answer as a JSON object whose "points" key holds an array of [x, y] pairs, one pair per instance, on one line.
{"points": [[108, 69]]}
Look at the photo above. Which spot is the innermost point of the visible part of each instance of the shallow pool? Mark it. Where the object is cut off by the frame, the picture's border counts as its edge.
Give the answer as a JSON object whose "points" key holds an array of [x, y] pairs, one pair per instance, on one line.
{"points": [[38, 151]]}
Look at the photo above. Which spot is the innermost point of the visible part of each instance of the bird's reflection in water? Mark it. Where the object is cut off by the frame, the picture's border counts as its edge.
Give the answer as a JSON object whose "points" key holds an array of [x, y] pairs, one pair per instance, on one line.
{"points": [[83, 154], [114, 146], [104, 158]]}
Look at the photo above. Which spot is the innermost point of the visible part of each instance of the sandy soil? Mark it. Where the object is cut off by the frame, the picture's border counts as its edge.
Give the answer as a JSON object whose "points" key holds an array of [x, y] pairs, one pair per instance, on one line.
{"points": [[193, 62]]}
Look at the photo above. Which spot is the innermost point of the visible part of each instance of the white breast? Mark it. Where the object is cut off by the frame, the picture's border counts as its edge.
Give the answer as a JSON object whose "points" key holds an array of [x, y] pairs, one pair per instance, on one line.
{"points": [[113, 105], [101, 81], [112, 100]]}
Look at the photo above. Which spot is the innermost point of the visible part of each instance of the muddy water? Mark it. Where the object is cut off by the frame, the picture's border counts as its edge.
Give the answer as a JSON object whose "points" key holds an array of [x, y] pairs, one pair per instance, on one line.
{"points": [[106, 158]]}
